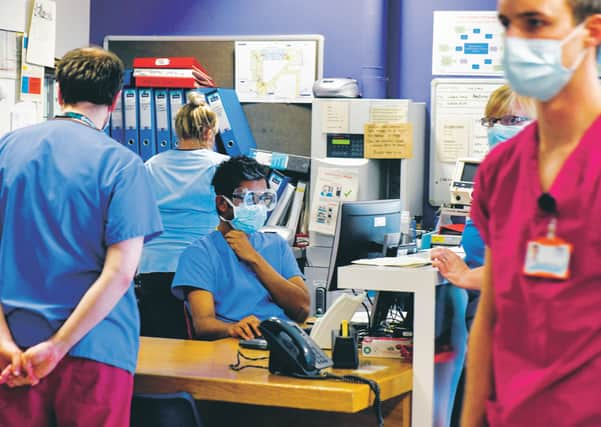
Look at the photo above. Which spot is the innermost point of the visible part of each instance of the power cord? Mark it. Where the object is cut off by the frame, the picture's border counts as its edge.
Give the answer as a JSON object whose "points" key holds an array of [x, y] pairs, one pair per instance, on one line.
{"points": [[353, 379], [375, 388], [238, 367]]}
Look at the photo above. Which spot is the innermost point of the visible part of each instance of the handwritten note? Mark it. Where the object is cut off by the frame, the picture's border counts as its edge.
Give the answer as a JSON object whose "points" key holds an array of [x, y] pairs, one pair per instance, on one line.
{"points": [[388, 141]]}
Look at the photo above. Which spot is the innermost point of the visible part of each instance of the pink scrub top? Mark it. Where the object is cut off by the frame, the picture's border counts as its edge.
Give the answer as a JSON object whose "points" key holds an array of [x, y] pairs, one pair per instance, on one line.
{"points": [[547, 335]]}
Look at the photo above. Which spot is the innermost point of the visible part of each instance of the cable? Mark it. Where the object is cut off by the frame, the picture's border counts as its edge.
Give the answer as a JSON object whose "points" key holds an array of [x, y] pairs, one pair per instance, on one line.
{"points": [[237, 367], [355, 379]]}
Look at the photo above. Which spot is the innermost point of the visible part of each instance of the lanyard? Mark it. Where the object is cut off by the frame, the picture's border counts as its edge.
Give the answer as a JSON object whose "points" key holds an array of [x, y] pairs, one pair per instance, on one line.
{"points": [[79, 117]]}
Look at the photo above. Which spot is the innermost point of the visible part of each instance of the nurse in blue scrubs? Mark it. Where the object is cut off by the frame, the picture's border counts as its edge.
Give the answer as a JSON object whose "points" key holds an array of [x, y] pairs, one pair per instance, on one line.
{"points": [[181, 179], [506, 114]]}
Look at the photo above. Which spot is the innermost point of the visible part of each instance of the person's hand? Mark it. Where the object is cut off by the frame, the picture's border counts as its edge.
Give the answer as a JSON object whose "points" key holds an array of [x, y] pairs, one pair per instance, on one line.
{"points": [[11, 363], [15, 371], [43, 358], [238, 241], [449, 264], [247, 328]]}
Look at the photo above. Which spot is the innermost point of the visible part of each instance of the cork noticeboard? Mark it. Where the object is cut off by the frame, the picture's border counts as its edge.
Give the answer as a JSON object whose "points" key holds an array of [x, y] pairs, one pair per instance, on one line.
{"points": [[277, 127]]}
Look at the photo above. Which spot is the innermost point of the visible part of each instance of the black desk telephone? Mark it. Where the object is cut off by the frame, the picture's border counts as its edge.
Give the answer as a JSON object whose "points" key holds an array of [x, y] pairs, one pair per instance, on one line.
{"points": [[292, 351]]}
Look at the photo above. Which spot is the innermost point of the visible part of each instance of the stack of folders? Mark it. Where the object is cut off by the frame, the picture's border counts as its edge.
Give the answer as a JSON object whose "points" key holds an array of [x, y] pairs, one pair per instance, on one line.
{"points": [[143, 119], [289, 207], [176, 72]]}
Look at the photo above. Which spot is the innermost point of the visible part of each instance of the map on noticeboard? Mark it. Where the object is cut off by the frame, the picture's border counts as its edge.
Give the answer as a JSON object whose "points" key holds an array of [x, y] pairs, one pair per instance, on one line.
{"points": [[467, 43], [275, 71]]}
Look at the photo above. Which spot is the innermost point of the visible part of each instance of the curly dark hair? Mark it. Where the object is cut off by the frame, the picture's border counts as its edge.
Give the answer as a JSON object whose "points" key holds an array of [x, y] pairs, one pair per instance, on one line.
{"points": [[89, 74], [232, 172]]}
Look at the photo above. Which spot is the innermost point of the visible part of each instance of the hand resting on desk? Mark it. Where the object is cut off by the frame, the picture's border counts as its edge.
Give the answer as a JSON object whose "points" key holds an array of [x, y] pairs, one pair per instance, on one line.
{"points": [[452, 267]]}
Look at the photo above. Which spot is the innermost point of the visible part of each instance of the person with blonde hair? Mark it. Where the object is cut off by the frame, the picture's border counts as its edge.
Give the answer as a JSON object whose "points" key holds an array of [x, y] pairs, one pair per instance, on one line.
{"points": [[181, 181], [505, 115]]}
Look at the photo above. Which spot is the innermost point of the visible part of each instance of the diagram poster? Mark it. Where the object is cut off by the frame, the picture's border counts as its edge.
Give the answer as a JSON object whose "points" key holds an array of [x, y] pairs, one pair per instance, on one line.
{"points": [[467, 43], [332, 187]]}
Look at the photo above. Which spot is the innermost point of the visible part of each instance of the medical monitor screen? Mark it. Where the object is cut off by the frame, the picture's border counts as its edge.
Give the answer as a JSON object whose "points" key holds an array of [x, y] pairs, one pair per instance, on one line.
{"points": [[360, 232], [469, 172]]}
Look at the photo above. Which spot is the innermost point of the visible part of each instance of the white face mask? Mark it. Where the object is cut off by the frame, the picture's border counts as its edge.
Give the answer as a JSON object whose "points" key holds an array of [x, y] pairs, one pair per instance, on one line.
{"points": [[533, 67]]}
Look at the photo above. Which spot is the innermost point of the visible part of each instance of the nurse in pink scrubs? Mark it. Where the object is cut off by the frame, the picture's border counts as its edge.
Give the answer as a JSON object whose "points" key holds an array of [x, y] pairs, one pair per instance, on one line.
{"points": [[534, 356]]}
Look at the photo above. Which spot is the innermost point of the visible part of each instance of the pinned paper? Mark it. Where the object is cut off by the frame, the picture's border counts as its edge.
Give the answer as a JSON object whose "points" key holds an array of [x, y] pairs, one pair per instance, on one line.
{"points": [[452, 139], [42, 34], [335, 117], [388, 141], [389, 111]]}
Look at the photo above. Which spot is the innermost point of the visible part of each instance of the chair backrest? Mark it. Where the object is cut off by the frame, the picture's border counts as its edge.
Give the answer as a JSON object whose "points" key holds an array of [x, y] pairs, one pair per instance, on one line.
{"points": [[164, 410], [189, 322]]}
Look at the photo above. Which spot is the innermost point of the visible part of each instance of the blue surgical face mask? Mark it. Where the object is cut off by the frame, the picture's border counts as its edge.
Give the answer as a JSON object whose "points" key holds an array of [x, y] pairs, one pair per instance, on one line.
{"points": [[501, 133], [247, 218], [533, 67]]}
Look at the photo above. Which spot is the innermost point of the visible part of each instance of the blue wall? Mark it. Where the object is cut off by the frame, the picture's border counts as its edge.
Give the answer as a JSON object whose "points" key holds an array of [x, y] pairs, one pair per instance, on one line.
{"points": [[415, 71], [354, 30], [396, 34]]}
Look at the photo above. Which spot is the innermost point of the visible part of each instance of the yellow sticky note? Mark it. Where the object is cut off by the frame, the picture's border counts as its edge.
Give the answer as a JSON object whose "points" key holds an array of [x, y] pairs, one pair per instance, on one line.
{"points": [[388, 141]]}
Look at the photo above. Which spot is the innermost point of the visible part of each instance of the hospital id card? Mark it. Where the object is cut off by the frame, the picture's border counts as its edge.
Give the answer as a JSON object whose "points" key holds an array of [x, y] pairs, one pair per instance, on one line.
{"points": [[548, 258]]}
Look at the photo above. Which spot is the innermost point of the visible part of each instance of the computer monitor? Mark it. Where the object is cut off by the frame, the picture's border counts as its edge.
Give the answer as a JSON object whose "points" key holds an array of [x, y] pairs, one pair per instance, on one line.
{"points": [[361, 230]]}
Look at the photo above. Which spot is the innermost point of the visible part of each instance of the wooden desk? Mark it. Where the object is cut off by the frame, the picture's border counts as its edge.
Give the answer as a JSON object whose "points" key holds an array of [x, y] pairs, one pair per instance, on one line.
{"points": [[202, 369]]}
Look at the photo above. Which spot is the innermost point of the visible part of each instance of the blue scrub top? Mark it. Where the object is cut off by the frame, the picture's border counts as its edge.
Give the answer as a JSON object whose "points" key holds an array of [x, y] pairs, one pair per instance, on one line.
{"points": [[473, 245], [210, 264], [67, 193], [181, 181]]}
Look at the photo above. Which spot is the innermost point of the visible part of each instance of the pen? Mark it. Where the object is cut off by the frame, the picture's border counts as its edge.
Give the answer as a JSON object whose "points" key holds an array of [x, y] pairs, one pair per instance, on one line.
{"points": [[344, 328]]}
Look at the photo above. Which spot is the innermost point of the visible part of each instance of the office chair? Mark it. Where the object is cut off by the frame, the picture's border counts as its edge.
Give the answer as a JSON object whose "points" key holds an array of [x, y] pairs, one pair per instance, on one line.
{"points": [[164, 410]]}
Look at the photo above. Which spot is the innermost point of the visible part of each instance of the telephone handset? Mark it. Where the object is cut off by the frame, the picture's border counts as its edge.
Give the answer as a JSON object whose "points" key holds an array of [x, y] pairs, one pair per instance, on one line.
{"points": [[292, 352]]}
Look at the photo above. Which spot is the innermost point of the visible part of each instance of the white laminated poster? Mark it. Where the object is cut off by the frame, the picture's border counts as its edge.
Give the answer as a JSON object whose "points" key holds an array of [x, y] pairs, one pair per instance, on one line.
{"points": [[7, 102], [42, 34], [467, 43], [335, 117], [389, 112], [275, 71], [332, 187], [9, 55], [452, 135]]}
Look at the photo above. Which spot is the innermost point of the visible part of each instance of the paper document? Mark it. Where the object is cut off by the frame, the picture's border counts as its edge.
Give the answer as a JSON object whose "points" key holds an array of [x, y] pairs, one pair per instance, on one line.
{"points": [[389, 112], [275, 71], [452, 138], [399, 261], [9, 54], [388, 141], [335, 117], [7, 102], [42, 34], [332, 187], [467, 43], [14, 14]]}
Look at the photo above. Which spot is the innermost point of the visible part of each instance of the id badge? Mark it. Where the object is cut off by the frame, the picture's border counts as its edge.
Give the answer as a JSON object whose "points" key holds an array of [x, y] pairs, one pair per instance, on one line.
{"points": [[548, 258]]}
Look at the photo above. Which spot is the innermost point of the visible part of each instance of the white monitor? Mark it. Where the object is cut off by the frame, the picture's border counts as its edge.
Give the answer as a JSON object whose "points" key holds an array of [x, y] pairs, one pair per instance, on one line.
{"points": [[463, 181]]}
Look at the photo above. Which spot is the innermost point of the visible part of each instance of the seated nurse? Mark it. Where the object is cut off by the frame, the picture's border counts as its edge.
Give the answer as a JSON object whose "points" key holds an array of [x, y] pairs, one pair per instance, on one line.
{"points": [[181, 180], [236, 276]]}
